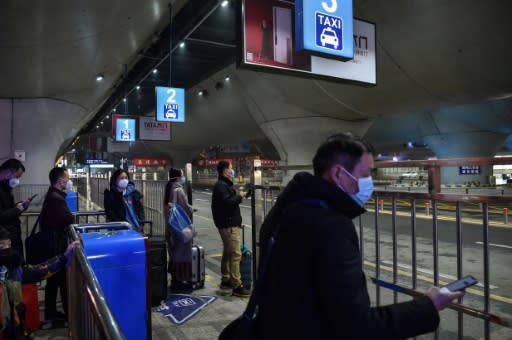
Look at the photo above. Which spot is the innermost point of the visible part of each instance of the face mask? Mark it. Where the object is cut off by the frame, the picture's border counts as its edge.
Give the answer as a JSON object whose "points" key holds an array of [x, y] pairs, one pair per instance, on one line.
{"points": [[69, 185], [232, 173], [122, 183], [14, 182], [183, 180], [365, 185]]}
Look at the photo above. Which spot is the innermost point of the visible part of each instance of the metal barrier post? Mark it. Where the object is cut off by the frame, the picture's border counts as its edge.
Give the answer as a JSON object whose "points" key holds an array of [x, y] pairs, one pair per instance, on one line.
{"points": [[505, 212], [485, 213], [256, 205]]}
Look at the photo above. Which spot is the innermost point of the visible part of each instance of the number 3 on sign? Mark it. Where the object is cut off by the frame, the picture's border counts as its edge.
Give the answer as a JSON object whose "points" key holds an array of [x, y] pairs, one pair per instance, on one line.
{"points": [[171, 94], [330, 8]]}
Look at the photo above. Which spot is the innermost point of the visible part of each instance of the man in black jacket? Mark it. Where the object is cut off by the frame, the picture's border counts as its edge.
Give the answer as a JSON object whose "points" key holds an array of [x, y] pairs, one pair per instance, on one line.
{"points": [[315, 287], [56, 218], [10, 172], [227, 218]]}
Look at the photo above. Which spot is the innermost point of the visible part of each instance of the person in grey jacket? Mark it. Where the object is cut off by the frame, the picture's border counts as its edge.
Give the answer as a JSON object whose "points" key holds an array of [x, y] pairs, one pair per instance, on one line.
{"points": [[315, 287], [180, 253]]}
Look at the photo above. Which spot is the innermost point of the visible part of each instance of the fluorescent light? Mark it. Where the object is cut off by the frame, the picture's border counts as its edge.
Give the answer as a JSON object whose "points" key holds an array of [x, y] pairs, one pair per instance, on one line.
{"points": [[182, 44], [155, 71], [225, 3], [137, 87], [124, 100], [227, 78], [99, 77]]}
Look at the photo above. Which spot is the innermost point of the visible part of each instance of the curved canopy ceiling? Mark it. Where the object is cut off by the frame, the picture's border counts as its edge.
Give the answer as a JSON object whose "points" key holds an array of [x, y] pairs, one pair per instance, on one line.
{"points": [[434, 58]]}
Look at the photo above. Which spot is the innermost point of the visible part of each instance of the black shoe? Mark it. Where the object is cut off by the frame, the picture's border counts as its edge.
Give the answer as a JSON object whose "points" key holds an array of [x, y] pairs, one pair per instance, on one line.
{"points": [[55, 316], [226, 284], [181, 287], [241, 292]]}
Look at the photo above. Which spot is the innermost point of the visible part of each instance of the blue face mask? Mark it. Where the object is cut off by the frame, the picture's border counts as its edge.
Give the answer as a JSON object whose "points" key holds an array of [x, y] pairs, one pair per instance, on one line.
{"points": [[183, 180], [365, 185], [232, 173]]}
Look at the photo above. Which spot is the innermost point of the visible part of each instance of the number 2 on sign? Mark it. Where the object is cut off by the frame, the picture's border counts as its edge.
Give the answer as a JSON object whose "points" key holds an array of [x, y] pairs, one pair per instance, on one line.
{"points": [[330, 8], [171, 94]]}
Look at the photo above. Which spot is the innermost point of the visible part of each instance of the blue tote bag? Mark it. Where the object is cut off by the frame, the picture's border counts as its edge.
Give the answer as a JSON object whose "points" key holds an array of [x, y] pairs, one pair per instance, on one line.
{"points": [[180, 223]]}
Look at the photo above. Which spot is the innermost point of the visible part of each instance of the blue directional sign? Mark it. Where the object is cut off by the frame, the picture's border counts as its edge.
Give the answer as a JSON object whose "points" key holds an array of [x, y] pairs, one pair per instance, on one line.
{"points": [[125, 130], [170, 104], [325, 27]]}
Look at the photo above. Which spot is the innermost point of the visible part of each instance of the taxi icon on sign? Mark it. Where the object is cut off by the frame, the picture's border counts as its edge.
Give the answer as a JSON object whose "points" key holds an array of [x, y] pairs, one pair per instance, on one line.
{"points": [[329, 37]]}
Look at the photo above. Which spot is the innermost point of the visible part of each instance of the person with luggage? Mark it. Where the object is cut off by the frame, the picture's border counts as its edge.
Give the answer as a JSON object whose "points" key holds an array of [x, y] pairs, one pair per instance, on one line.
{"points": [[180, 252], [122, 202], [228, 220], [10, 172], [13, 273], [55, 218], [314, 286]]}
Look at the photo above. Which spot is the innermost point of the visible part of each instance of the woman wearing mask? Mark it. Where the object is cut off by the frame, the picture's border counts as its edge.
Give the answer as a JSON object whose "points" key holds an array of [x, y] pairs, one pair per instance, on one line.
{"points": [[180, 253], [122, 202]]}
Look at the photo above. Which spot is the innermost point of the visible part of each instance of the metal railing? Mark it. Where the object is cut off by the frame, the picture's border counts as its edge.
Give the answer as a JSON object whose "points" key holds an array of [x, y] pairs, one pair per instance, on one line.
{"points": [[89, 315]]}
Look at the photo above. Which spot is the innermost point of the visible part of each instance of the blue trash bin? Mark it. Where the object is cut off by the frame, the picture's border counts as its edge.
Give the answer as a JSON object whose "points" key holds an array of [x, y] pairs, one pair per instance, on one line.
{"points": [[118, 258]]}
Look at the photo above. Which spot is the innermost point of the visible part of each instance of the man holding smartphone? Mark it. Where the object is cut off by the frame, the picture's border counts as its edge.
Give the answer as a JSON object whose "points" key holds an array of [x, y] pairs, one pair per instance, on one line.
{"points": [[10, 173], [314, 285]]}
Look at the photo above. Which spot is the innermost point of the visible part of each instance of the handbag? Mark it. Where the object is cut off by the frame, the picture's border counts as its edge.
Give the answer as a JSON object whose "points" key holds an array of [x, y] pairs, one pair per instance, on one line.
{"points": [[181, 224], [39, 246]]}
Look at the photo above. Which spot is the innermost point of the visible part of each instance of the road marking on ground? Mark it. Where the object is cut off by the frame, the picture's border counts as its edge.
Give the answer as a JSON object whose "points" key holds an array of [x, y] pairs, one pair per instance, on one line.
{"points": [[442, 283], [495, 245], [465, 220], [430, 272]]}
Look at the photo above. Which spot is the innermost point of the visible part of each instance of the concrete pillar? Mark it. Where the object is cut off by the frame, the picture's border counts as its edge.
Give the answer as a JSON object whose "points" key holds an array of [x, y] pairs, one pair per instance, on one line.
{"points": [[462, 145], [296, 125]]}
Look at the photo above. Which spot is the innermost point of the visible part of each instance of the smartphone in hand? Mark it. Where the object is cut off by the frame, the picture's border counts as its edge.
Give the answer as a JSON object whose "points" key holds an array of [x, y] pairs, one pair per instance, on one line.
{"points": [[463, 283]]}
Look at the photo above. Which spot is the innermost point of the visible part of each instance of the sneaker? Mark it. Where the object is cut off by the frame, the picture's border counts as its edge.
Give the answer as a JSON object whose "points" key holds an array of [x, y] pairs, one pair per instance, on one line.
{"points": [[241, 292], [226, 284]]}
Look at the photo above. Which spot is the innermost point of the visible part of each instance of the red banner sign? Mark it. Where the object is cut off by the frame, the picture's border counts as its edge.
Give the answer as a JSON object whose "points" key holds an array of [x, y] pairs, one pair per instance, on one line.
{"points": [[151, 162]]}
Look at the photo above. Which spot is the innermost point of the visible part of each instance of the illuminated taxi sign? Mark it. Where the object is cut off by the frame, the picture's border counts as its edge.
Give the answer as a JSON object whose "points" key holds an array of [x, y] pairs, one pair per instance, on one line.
{"points": [[325, 28], [170, 104]]}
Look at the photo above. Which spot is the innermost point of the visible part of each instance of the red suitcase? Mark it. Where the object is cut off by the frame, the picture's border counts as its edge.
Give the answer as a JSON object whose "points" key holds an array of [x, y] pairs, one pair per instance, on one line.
{"points": [[31, 301]]}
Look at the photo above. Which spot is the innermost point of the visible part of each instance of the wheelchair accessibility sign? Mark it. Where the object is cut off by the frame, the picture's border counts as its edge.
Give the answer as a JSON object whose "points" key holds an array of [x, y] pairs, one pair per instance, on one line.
{"points": [[329, 31]]}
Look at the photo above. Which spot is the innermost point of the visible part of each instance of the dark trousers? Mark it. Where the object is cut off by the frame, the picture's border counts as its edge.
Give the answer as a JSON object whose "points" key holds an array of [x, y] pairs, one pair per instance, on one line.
{"points": [[54, 283]]}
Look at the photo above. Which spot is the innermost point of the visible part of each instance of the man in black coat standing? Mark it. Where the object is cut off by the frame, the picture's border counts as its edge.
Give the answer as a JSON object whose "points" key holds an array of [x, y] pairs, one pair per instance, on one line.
{"points": [[315, 287], [55, 217], [227, 218], [10, 172]]}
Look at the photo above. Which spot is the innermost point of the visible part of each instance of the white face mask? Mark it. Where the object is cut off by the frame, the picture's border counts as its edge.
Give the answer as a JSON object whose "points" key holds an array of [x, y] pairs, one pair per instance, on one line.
{"points": [[122, 183], [365, 185], [69, 185], [14, 182]]}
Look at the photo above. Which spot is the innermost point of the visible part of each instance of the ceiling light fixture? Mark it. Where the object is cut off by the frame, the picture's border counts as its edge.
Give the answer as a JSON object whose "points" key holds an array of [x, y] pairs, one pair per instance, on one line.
{"points": [[182, 44], [137, 87], [225, 3], [107, 116], [155, 71], [203, 93], [124, 100], [100, 77], [227, 78]]}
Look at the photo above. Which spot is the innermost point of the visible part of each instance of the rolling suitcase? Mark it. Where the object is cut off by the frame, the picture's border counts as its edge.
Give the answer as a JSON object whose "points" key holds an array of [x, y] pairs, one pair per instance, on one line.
{"points": [[198, 272], [158, 257], [31, 302]]}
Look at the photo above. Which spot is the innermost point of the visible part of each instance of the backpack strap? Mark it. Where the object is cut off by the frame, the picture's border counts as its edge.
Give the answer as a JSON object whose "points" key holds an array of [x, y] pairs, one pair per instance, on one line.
{"points": [[35, 225]]}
